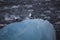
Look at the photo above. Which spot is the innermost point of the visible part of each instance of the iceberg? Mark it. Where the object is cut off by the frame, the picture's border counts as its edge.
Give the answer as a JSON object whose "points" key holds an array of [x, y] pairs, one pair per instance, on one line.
{"points": [[30, 29]]}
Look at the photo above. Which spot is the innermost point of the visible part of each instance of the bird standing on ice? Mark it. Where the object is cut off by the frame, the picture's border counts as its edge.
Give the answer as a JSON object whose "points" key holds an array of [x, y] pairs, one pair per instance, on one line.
{"points": [[31, 29]]}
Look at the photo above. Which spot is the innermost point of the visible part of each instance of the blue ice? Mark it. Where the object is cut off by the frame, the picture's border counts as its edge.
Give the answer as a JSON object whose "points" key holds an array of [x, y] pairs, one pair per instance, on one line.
{"points": [[31, 29]]}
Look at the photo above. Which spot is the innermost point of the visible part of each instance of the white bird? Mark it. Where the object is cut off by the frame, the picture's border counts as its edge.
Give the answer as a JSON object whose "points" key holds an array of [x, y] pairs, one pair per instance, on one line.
{"points": [[31, 29]]}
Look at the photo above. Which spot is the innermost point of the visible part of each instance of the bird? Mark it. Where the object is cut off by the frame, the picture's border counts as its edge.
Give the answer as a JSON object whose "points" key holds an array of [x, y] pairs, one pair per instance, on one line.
{"points": [[30, 29]]}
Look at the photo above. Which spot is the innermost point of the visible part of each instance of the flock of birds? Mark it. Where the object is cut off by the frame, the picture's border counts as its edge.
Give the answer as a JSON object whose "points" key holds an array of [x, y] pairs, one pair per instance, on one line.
{"points": [[28, 29]]}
